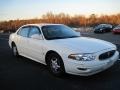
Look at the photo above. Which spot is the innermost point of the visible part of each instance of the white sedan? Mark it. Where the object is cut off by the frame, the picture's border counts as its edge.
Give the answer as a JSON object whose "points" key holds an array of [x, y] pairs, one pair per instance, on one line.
{"points": [[62, 49]]}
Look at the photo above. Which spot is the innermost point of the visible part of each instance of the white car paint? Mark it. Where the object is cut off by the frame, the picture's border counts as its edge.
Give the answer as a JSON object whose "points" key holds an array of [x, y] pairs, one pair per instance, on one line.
{"points": [[37, 49]]}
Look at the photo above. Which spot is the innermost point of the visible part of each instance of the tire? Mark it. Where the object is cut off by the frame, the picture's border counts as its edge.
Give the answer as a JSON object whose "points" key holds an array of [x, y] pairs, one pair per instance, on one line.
{"points": [[15, 51], [103, 31], [55, 64]]}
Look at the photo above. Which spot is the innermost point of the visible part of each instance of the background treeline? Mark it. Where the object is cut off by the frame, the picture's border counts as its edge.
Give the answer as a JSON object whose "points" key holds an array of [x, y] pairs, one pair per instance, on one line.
{"points": [[73, 21]]}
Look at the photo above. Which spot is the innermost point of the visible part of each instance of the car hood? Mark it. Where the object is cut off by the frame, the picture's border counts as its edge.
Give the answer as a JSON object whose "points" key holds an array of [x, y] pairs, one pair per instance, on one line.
{"points": [[84, 44]]}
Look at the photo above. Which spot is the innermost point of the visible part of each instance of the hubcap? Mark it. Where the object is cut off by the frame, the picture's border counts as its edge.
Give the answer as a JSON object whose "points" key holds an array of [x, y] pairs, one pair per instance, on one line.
{"points": [[54, 64]]}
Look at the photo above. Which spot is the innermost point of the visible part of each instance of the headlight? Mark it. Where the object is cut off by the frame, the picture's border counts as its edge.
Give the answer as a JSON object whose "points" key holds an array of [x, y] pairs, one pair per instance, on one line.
{"points": [[82, 57]]}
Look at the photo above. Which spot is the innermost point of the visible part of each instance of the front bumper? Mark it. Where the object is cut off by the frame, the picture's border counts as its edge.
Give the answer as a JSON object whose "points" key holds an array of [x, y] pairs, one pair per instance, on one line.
{"points": [[87, 68]]}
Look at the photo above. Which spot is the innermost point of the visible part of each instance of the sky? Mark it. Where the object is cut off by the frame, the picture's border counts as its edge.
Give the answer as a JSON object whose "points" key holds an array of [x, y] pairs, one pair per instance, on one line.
{"points": [[28, 9]]}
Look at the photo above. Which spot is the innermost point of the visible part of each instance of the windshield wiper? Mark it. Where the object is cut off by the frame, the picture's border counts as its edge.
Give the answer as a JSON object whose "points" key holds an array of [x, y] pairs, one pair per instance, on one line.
{"points": [[51, 38], [73, 36], [56, 38]]}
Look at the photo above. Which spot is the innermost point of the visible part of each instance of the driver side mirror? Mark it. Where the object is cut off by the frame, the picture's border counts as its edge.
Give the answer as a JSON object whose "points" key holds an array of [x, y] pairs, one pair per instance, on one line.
{"points": [[37, 36]]}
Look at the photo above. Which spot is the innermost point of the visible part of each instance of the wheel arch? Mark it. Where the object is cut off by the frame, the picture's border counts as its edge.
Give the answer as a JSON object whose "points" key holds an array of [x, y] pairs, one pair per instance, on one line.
{"points": [[12, 44], [48, 53]]}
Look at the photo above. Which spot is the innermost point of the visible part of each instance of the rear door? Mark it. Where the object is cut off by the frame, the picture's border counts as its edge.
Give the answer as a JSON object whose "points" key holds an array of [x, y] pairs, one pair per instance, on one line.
{"points": [[22, 40]]}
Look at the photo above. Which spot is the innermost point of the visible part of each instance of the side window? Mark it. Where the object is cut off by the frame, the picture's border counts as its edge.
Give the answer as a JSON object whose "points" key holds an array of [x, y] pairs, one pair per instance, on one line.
{"points": [[34, 30], [24, 31]]}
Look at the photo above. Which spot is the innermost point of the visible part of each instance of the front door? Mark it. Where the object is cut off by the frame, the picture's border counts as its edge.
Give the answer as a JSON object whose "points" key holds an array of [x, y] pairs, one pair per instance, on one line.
{"points": [[35, 45]]}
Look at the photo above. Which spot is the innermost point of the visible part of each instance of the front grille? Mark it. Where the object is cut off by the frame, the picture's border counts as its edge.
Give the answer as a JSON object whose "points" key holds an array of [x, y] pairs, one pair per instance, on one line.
{"points": [[107, 55]]}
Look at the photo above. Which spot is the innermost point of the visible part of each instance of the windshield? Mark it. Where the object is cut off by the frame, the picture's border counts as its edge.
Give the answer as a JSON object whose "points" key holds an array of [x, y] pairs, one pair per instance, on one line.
{"points": [[58, 32], [118, 27]]}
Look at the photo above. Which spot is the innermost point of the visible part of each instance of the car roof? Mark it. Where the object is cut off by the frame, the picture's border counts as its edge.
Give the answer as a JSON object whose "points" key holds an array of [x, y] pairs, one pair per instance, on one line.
{"points": [[104, 24], [41, 24]]}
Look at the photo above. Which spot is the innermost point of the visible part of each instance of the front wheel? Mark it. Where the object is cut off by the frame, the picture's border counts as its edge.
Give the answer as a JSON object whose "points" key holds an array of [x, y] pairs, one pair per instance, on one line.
{"points": [[55, 64]]}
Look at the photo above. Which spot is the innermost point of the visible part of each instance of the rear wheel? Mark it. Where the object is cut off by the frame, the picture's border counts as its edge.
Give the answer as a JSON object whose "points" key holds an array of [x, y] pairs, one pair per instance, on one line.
{"points": [[55, 64], [14, 50]]}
